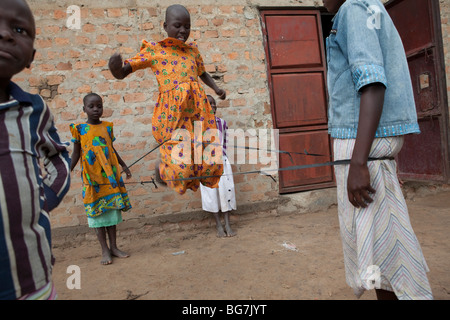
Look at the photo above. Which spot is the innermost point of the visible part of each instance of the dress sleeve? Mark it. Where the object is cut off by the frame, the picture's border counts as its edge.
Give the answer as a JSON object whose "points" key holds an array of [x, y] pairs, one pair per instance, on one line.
{"points": [[75, 133], [110, 129], [198, 59], [360, 41], [144, 59]]}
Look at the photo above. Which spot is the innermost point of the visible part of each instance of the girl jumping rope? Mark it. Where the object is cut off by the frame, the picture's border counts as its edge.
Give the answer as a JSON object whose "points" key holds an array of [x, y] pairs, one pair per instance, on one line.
{"points": [[182, 101], [104, 193]]}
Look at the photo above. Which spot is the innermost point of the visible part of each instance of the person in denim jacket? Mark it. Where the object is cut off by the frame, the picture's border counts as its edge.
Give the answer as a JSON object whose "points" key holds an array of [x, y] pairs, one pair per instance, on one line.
{"points": [[371, 109]]}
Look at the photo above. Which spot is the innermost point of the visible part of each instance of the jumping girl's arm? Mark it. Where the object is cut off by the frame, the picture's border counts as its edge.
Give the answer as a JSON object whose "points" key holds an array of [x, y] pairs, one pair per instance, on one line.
{"points": [[209, 81], [118, 69], [75, 155]]}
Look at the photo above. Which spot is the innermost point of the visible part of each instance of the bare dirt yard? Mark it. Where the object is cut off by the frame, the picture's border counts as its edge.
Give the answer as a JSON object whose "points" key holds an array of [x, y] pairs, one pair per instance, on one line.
{"points": [[286, 257]]}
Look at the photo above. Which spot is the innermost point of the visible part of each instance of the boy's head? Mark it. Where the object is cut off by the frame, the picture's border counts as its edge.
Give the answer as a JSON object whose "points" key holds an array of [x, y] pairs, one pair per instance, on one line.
{"points": [[93, 106], [333, 5], [178, 22], [212, 102], [17, 34]]}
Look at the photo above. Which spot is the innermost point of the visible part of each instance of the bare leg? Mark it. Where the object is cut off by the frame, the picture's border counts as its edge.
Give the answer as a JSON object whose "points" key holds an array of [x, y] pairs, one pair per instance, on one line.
{"points": [[112, 243], [385, 295], [230, 232], [220, 232], [157, 174], [106, 253]]}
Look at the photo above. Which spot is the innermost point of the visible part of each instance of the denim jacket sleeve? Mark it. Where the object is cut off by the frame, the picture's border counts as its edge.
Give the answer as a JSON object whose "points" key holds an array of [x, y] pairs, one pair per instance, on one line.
{"points": [[359, 40], [364, 47]]}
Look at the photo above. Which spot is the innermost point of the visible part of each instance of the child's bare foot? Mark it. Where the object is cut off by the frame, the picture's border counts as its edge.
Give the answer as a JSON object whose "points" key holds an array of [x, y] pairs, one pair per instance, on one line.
{"points": [[118, 253], [230, 233], [220, 232], [106, 258]]}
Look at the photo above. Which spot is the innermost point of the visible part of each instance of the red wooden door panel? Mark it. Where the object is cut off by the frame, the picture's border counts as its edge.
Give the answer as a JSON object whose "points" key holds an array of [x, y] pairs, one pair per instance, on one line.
{"points": [[314, 142], [412, 18], [299, 99], [426, 150], [424, 156], [297, 81], [293, 40]]}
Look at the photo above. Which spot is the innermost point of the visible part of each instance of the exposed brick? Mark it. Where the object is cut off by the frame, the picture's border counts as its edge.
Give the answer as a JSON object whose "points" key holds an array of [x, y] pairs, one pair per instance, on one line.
{"points": [[59, 14], [88, 28], [115, 12], [64, 66], [135, 97], [84, 89], [54, 79], [201, 23]]}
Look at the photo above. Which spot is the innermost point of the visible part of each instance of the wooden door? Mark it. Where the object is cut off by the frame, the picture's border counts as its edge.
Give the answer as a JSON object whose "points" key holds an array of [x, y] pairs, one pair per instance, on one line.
{"points": [[297, 81], [424, 156]]}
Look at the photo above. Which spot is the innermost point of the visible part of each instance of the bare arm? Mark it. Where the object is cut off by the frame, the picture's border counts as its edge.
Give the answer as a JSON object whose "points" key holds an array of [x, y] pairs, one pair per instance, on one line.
{"points": [[124, 166], [371, 107], [75, 155], [209, 81]]}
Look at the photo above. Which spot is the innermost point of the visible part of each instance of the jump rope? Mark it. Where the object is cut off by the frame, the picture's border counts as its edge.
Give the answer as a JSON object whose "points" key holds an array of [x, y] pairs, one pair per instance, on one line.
{"points": [[262, 172]]}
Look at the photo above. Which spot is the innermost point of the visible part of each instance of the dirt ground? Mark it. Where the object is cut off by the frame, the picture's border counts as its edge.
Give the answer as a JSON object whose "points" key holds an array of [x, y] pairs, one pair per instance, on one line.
{"points": [[254, 265]]}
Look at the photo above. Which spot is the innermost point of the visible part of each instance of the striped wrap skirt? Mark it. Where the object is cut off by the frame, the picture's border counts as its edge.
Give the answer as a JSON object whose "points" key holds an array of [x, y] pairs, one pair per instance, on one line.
{"points": [[47, 292], [381, 250]]}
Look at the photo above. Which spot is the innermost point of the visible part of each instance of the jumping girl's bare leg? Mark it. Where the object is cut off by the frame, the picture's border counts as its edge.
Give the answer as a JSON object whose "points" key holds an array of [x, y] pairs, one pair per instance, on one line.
{"points": [[157, 173]]}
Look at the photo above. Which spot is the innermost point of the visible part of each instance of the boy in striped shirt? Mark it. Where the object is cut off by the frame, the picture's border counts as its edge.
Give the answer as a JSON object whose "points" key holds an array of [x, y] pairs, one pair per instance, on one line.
{"points": [[28, 138]]}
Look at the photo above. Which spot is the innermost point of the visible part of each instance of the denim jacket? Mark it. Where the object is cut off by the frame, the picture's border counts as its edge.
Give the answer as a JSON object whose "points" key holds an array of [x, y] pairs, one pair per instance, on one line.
{"points": [[364, 47]]}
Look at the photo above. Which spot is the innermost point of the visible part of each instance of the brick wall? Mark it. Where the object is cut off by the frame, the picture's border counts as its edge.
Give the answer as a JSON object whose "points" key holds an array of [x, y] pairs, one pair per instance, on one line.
{"points": [[71, 63]]}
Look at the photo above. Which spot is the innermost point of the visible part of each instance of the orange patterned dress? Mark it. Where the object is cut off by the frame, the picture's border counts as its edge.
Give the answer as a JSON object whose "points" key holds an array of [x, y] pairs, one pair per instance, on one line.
{"points": [[182, 119], [103, 188]]}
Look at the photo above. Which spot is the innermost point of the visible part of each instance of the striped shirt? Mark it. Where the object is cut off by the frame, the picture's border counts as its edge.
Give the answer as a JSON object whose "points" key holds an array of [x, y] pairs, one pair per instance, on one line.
{"points": [[28, 142]]}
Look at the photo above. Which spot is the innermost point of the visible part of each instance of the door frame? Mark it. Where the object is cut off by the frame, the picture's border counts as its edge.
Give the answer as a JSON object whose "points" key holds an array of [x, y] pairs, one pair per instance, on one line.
{"points": [[317, 11], [271, 11], [441, 84]]}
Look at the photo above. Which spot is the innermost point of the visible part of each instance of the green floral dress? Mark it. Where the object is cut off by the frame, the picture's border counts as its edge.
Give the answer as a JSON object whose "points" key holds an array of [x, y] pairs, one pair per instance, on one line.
{"points": [[103, 188]]}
